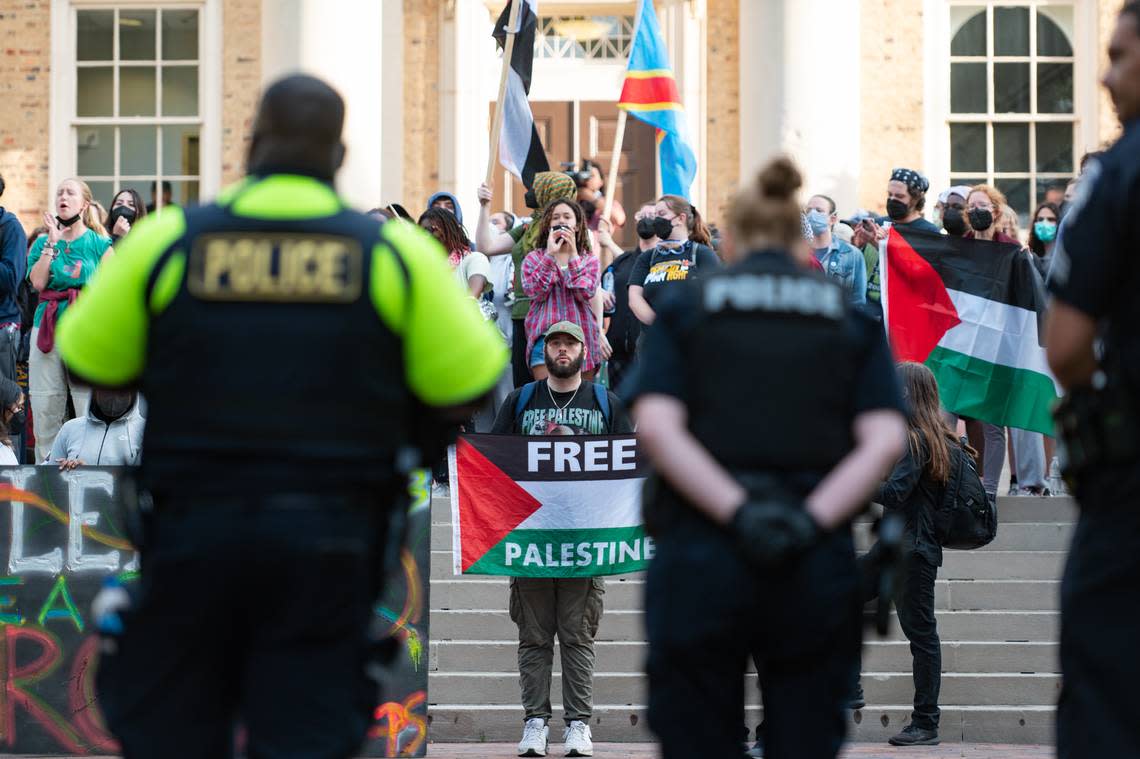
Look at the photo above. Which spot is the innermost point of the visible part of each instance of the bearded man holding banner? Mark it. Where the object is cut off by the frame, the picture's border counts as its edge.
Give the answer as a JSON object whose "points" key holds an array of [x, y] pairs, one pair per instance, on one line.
{"points": [[569, 607]]}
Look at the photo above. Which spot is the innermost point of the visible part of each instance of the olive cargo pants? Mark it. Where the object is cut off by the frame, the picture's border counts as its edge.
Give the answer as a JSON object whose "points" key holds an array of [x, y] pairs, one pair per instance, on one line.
{"points": [[571, 609]]}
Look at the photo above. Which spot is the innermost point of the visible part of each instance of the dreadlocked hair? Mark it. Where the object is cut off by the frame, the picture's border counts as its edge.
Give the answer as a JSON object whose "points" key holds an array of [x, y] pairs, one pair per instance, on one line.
{"points": [[454, 236], [581, 235]]}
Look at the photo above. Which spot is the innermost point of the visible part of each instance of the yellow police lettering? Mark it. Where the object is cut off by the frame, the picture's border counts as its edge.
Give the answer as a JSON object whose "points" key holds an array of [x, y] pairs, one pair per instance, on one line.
{"points": [[278, 268]]}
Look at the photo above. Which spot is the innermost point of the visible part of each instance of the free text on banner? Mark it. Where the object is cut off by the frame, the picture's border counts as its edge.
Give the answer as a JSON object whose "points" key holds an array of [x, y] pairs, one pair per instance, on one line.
{"points": [[554, 506], [65, 532]]}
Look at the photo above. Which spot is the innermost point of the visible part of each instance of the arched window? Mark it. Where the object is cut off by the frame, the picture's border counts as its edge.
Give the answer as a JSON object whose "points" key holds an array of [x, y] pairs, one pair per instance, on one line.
{"points": [[1012, 114]]}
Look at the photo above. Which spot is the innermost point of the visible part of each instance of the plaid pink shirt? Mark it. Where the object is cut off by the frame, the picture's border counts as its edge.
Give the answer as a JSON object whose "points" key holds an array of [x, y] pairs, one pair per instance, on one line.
{"points": [[558, 295]]}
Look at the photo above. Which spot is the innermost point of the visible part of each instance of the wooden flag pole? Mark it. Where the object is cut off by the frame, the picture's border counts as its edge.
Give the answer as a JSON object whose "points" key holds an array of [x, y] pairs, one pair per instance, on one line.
{"points": [[497, 124], [615, 164]]}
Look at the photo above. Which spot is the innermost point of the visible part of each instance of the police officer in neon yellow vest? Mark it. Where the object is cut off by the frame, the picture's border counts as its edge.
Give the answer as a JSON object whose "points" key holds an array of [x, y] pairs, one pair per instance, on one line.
{"points": [[289, 349]]}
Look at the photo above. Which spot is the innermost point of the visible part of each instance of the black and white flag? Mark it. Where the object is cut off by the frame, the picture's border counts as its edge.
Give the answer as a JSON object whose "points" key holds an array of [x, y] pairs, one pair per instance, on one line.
{"points": [[520, 149]]}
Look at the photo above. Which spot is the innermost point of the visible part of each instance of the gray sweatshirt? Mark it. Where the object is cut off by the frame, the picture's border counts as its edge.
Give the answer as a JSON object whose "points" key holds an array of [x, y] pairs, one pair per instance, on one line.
{"points": [[92, 441]]}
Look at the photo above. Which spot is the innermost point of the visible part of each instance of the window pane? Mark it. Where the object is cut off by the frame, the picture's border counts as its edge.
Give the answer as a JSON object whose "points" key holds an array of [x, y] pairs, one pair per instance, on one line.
{"points": [[967, 147], [969, 24], [1045, 185], [1016, 192], [180, 91], [95, 39], [94, 91], [184, 193], [103, 192], [968, 88], [136, 91], [968, 181], [1054, 88], [179, 35], [95, 150], [1011, 147], [136, 35], [1011, 31], [138, 147], [1055, 147], [180, 150], [1052, 23], [1011, 88]]}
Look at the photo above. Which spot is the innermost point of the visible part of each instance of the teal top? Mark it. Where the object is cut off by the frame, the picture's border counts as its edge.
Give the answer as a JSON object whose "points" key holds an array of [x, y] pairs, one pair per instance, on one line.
{"points": [[73, 266]]}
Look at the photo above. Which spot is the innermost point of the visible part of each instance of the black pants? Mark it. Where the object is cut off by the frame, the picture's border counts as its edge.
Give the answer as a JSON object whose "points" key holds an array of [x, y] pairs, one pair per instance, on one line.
{"points": [[1098, 714], [254, 613], [914, 601], [706, 610], [520, 359]]}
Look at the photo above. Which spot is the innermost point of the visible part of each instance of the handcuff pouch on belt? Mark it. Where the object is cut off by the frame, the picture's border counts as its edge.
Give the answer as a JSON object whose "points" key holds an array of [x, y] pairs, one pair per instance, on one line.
{"points": [[1098, 427]]}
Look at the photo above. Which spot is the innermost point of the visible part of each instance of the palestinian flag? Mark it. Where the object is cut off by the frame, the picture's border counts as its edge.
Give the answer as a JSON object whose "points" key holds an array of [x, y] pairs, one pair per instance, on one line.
{"points": [[972, 311], [560, 506], [520, 147]]}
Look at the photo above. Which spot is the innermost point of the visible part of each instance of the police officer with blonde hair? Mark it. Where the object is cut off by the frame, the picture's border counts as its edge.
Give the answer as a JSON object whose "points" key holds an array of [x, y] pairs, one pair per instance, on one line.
{"points": [[753, 527], [289, 349]]}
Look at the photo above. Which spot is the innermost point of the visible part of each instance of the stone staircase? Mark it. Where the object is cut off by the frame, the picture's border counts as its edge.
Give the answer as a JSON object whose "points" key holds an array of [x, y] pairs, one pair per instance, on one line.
{"points": [[998, 619]]}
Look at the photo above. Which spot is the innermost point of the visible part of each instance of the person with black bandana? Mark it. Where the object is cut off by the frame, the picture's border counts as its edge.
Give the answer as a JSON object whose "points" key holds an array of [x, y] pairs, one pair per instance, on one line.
{"points": [[906, 197], [109, 435]]}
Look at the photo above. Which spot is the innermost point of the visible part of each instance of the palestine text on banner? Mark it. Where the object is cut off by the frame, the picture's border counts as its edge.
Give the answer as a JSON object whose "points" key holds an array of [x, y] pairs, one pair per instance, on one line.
{"points": [[561, 506], [971, 310]]}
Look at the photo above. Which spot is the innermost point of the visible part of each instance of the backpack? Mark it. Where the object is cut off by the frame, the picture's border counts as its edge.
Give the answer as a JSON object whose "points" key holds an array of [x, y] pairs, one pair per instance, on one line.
{"points": [[967, 518], [601, 395]]}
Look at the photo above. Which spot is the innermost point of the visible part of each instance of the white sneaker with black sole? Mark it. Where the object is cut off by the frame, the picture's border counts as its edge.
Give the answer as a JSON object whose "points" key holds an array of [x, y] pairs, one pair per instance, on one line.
{"points": [[535, 738], [577, 739]]}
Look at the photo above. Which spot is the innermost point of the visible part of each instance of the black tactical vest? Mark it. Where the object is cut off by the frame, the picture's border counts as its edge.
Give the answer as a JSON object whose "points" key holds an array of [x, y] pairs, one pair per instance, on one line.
{"points": [[271, 370]]}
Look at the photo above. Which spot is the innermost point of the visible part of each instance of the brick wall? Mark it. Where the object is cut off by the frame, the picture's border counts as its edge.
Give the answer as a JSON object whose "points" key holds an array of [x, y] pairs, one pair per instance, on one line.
{"points": [[241, 82], [25, 88], [723, 98], [891, 120], [422, 19]]}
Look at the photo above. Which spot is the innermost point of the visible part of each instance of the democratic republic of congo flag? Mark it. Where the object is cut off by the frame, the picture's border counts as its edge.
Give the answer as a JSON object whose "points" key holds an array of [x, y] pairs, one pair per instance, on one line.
{"points": [[650, 93], [550, 506], [971, 310]]}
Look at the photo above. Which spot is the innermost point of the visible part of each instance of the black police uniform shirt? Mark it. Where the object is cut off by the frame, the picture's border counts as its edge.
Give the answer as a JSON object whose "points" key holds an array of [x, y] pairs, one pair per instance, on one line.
{"points": [[795, 365], [658, 269], [1096, 269], [554, 413]]}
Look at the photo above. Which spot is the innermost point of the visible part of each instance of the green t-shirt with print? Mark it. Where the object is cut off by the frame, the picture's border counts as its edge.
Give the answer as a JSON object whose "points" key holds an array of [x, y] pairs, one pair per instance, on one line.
{"points": [[73, 266]]}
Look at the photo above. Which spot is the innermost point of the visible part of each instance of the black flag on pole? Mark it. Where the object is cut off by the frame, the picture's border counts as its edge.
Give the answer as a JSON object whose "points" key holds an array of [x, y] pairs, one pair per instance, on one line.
{"points": [[520, 149]]}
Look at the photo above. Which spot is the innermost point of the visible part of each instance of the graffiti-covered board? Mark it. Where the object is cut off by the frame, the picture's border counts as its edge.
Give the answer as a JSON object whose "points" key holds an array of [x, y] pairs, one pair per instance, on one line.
{"points": [[63, 533]]}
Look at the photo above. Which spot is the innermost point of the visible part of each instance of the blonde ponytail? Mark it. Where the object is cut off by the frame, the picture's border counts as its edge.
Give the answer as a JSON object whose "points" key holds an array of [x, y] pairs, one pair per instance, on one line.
{"points": [[91, 217]]}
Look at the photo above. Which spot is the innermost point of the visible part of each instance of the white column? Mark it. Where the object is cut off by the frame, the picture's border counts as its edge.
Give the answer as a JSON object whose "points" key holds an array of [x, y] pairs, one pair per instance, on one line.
{"points": [[347, 43], [799, 91]]}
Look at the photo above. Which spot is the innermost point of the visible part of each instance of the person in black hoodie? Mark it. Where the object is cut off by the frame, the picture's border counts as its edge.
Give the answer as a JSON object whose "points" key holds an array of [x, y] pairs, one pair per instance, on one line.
{"points": [[915, 489]]}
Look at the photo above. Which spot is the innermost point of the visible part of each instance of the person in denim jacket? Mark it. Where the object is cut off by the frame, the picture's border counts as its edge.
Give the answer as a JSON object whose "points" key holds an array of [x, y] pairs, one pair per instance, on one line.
{"points": [[840, 260]]}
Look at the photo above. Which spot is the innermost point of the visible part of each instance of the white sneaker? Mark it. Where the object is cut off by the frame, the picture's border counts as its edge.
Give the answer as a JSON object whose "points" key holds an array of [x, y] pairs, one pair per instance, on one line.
{"points": [[577, 739], [535, 738]]}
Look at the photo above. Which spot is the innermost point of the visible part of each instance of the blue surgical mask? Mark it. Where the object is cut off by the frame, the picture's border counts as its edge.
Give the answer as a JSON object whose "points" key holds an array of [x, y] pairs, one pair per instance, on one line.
{"points": [[818, 221], [1046, 231]]}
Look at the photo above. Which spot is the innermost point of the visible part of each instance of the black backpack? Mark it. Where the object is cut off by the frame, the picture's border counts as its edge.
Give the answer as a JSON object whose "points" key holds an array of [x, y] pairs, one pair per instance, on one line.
{"points": [[967, 518]]}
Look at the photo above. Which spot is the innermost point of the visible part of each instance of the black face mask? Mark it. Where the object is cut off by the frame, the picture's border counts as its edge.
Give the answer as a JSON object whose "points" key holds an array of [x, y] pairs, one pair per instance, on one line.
{"points": [[114, 405], [663, 228], [67, 222], [981, 219], [897, 209], [17, 422], [954, 222], [646, 228], [120, 212]]}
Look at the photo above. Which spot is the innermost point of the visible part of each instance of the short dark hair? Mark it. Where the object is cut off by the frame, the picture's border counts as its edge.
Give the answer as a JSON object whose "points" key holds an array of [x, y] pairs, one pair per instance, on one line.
{"points": [[830, 203], [1, 184], [166, 186]]}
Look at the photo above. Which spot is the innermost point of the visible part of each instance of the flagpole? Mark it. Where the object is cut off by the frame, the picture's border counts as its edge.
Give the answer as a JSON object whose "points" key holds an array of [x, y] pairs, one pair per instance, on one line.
{"points": [[615, 164], [497, 124]]}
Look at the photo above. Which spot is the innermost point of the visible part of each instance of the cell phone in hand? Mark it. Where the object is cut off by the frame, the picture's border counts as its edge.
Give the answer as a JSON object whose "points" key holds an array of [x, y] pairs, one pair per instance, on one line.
{"points": [[560, 228]]}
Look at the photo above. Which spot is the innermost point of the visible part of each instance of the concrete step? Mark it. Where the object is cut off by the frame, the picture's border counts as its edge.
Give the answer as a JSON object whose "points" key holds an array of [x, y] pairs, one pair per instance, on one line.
{"points": [[982, 689], [1011, 509], [456, 656], [495, 624], [624, 594], [956, 565], [1025, 725]]}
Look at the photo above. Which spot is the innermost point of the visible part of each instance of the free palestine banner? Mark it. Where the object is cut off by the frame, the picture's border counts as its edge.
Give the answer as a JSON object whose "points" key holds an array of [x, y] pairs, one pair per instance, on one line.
{"points": [[558, 506], [971, 310]]}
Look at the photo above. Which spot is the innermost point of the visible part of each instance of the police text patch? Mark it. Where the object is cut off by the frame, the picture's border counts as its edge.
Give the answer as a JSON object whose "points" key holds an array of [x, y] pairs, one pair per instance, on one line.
{"points": [[276, 267]]}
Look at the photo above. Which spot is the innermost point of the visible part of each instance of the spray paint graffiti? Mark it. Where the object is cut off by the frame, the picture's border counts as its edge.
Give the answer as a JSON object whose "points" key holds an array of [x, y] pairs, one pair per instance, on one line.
{"points": [[64, 534]]}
